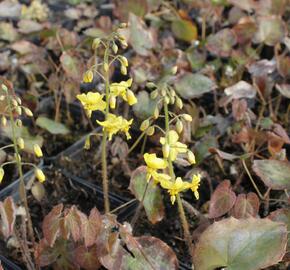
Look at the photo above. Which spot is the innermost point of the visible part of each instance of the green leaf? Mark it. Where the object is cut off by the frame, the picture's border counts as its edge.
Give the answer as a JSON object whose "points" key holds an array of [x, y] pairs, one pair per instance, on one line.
{"points": [[153, 202], [193, 85], [29, 140], [184, 30], [274, 173], [248, 244], [52, 126], [202, 147], [145, 106], [282, 215]]}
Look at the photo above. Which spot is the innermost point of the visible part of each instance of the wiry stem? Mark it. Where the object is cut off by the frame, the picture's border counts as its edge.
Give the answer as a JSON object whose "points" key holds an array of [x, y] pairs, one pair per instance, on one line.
{"points": [[104, 140], [181, 211]]}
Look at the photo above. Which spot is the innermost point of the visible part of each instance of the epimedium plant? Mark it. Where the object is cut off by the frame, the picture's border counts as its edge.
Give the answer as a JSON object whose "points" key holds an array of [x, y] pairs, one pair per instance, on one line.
{"points": [[13, 109], [107, 101]]}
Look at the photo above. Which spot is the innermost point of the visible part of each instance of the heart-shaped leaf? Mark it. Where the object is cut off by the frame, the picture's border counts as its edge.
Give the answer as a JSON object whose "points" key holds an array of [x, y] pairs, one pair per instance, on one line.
{"points": [[246, 206], [193, 85], [184, 30], [152, 201], [274, 173], [52, 126], [8, 216], [145, 106], [248, 244], [222, 200]]}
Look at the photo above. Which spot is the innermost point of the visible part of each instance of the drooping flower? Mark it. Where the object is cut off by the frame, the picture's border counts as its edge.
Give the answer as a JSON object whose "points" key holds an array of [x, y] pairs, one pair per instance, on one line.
{"points": [[121, 89], [88, 76], [173, 145], [195, 182], [153, 164], [174, 188], [159, 177], [39, 175], [37, 150], [92, 102], [114, 124]]}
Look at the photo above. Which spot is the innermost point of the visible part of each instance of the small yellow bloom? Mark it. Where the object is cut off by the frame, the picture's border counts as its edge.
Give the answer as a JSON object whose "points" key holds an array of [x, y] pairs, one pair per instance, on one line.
{"points": [[195, 182], [159, 177], [121, 89], [153, 164], [174, 188], [20, 143], [114, 124], [88, 76], [175, 147], [37, 150], [39, 175], [92, 102], [191, 157]]}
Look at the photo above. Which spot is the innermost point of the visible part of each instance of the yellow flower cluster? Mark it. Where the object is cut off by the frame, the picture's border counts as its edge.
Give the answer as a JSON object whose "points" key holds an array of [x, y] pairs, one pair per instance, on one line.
{"points": [[114, 124], [173, 186]]}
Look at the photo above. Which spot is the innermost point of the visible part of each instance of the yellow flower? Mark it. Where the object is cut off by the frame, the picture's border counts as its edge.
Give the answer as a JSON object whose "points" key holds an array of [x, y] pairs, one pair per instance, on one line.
{"points": [[175, 147], [153, 164], [174, 187], [37, 150], [195, 182], [39, 175], [88, 76], [1, 174], [121, 89], [159, 177], [114, 124], [92, 102]]}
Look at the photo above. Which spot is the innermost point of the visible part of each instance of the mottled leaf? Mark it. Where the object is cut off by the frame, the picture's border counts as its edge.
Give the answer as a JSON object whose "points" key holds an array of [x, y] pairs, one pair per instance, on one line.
{"points": [[192, 85], [73, 223], [241, 89], [284, 89], [152, 202], [246, 206], [71, 65], [222, 200], [145, 106], [274, 173], [10, 9], [245, 29], [51, 224], [222, 42], [52, 126], [184, 30], [8, 216], [87, 258], [248, 244]]}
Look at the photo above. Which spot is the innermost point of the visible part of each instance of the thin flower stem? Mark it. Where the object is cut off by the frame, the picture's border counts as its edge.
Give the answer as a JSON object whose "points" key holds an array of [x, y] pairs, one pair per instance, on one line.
{"points": [[104, 140], [181, 211], [136, 142], [22, 191]]}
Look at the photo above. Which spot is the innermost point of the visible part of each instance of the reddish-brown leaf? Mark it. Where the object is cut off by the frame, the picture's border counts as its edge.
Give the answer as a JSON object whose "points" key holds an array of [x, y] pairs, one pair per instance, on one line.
{"points": [[51, 224], [87, 258], [239, 108], [91, 226], [245, 30], [8, 216], [73, 223], [246, 206], [222, 200]]}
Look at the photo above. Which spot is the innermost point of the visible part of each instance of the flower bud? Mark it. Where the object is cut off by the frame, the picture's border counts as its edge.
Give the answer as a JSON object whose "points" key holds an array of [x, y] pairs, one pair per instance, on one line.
{"points": [[179, 126], [123, 25], [4, 88], [96, 43], [172, 99], [106, 67], [173, 70], [115, 48], [87, 145], [20, 143], [154, 94], [144, 125], [37, 150], [191, 157], [1, 174], [166, 100], [18, 123], [3, 121], [187, 117], [18, 110], [166, 150], [172, 92], [2, 97], [124, 44], [123, 60], [150, 85], [28, 112], [163, 92], [88, 76], [14, 102], [123, 70], [150, 131], [39, 175], [17, 157], [131, 97], [156, 113], [178, 102], [112, 102]]}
